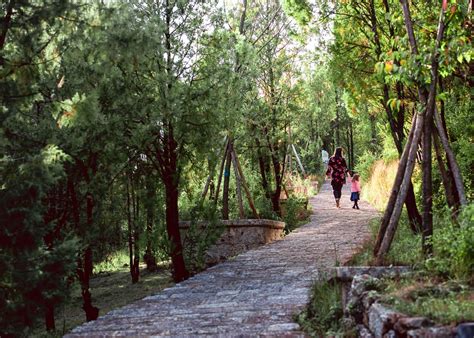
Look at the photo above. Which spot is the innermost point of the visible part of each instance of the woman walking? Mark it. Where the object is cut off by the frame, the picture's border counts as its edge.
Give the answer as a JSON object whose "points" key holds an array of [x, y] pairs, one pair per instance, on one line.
{"points": [[337, 169]]}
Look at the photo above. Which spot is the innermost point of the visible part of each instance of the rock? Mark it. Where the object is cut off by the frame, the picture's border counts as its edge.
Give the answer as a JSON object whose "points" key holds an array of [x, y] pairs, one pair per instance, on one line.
{"points": [[432, 332], [364, 283], [348, 323], [410, 323], [360, 284], [465, 330], [381, 319], [369, 297], [390, 334], [347, 273], [363, 332]]}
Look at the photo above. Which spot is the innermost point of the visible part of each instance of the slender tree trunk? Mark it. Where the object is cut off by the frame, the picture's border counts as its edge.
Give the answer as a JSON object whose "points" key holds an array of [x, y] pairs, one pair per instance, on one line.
{"points": [[172, 226], [238, 183], [221, 171], [451, 159], [396, 125], [427, 190], [396, 188], [225, 192], [420, 124], [447, 183], [244, 183], [49, 316], [400, 197], [337, 126], [263, 168], [149, 257], [84, 266], [373, 133], [6, 21]]}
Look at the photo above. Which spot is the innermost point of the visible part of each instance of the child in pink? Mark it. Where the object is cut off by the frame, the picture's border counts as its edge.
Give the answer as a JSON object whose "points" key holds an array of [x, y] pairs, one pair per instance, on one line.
{"points": [[355, 190]]}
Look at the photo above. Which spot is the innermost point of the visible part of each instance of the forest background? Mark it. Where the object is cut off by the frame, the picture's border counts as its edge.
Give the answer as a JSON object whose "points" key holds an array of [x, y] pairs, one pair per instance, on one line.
{"points": [[117, 121]]}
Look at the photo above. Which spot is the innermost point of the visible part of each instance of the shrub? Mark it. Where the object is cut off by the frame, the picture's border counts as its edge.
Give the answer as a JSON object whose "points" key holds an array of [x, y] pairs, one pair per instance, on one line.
{"points": [[323, 315], [453, 245]]}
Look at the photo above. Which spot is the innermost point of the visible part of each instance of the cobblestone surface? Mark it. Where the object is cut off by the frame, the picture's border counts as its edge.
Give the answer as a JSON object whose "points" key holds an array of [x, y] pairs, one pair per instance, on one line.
{"points": [[254, 294]]}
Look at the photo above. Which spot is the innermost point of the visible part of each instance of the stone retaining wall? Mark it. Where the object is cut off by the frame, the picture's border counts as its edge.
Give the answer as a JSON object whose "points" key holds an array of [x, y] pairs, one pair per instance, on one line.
{"points": [[363, 310], [239, 236]]}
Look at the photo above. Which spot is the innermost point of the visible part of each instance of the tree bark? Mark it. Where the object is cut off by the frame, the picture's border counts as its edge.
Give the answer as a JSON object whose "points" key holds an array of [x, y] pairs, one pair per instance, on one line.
{"points": [[149, 257], [221, 171], [420, 124], [225, 192], [49, 316], [84, 266], [244, 184], [451, 159], [401, 196], [172, 226], [395, 188], [238, 183], [447, 182]]}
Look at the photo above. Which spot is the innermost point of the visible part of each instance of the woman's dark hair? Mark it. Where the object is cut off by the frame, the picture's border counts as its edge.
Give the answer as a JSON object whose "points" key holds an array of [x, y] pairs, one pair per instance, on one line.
{"points": [[338, 152]]}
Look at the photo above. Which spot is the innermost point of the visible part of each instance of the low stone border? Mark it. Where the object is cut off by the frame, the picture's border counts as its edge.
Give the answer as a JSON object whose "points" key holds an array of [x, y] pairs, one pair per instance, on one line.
{"points": [[363, 310], [238, 236]]}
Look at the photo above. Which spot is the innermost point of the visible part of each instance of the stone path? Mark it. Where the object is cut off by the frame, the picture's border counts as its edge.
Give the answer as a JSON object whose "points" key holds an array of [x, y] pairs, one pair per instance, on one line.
{"points": [[256, 293]]}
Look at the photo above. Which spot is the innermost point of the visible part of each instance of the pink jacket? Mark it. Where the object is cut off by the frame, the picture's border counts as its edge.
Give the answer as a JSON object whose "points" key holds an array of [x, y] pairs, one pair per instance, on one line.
{"points": [[355, 186]]}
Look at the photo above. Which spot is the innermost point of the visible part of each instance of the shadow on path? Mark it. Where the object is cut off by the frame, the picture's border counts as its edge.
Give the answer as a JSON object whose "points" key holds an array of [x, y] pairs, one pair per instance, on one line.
{"points": [[255, 293]]}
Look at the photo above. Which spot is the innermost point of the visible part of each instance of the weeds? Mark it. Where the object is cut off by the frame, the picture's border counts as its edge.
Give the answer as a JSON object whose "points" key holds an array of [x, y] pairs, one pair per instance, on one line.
{"points": [[323, 315]]}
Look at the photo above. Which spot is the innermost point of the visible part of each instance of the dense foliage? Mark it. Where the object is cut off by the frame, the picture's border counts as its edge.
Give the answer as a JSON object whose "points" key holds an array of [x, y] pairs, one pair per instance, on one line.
{"points": [[120, 119]]}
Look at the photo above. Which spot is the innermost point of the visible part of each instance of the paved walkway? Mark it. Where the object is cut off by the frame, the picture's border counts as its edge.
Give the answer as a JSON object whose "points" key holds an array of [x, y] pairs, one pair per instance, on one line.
{"points": [[256, 293]]}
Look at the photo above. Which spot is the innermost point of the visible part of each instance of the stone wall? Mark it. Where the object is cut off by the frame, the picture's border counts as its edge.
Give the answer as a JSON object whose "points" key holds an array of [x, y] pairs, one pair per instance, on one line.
{"points": [[239, 236], [363, 309]]}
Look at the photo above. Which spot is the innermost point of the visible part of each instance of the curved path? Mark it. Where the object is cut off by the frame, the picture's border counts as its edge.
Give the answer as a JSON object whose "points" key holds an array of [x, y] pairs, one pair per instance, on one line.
{"points": [[257, 292]]}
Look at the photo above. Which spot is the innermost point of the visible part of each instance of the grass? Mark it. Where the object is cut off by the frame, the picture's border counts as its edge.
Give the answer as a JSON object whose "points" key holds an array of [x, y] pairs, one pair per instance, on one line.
{"points": [[323, 315], [111, 288], [405, 248], [444, 302]]}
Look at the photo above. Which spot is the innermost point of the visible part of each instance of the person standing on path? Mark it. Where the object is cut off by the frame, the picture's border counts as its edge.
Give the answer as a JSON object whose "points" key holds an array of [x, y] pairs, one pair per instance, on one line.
{"points": [[355, 190], [337, 169]]}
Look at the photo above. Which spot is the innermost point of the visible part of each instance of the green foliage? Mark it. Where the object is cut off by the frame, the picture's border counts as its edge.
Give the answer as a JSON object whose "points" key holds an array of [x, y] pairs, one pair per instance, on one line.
{"points": [[203, 231], [443, 302], [300, 10], [365, 163], [453, 244], [324, 313], [406, 246], [294, 211]]}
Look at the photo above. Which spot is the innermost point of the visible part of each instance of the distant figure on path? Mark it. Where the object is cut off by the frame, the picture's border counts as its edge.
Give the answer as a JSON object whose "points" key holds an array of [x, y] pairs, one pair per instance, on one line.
{"points": [[337, 169], [355, 190], [325, 158]]}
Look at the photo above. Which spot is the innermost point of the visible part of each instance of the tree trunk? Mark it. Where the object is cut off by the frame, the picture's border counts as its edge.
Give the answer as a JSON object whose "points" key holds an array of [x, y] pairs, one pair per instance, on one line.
{"points": [[225, 192], [84, 266], [49, 316], [420, 124], [264, 168], [401, 196], [451, 159], [427, 189], [244, 184], [221, 171], [238, 183], [395, 189], [149, 257], [172, 226], [451, 200]]}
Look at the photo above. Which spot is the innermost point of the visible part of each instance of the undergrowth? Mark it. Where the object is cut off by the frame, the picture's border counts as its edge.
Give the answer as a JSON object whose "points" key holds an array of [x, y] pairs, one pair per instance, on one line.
{"points": [[443, 301], [322, 317]]}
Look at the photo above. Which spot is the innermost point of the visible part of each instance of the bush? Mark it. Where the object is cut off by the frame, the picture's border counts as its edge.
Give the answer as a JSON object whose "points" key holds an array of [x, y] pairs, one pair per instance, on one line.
{"points": [[453, 245], [294, 211], [323, 315]]}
